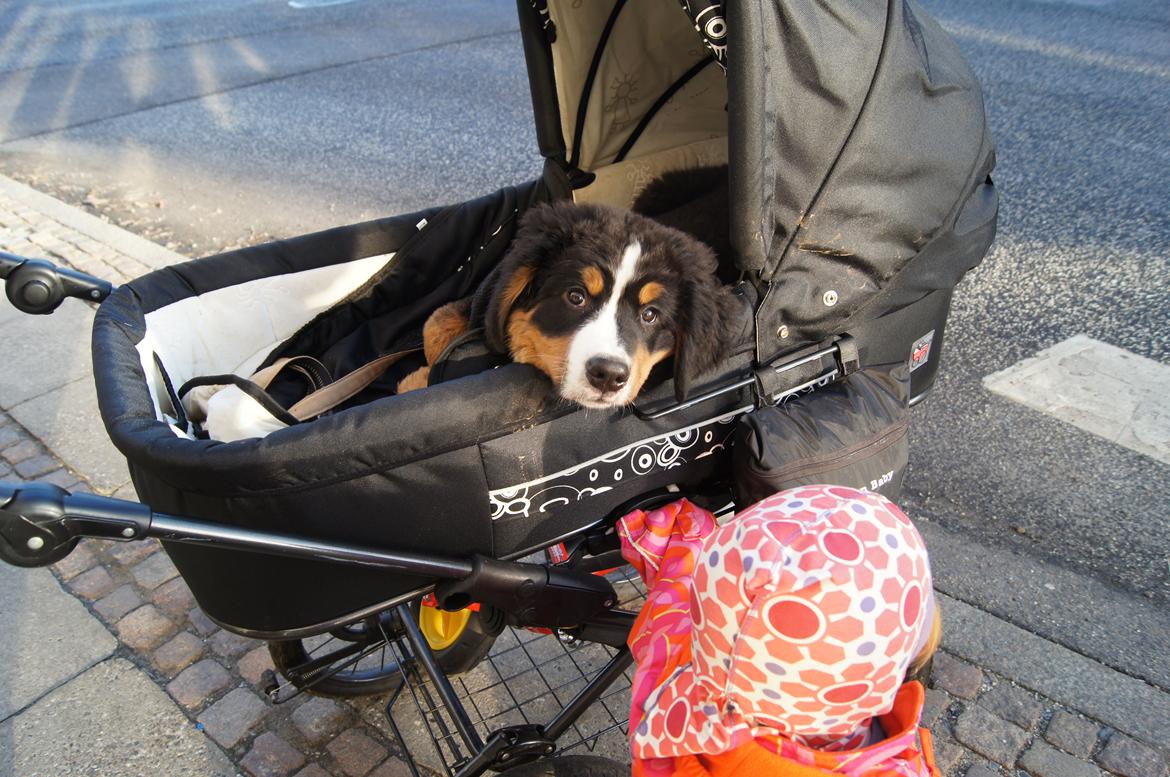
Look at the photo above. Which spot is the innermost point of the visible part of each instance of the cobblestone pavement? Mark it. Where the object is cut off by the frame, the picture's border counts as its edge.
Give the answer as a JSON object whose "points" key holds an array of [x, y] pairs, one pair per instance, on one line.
{"points": [[984, 722]]}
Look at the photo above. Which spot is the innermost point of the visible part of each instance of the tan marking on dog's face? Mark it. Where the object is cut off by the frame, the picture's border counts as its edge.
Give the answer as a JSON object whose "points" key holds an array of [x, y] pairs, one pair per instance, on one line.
{"points": [[516, 286], [531, 346], [650, 292], [643, 362], [444, 325], [594, 281]]}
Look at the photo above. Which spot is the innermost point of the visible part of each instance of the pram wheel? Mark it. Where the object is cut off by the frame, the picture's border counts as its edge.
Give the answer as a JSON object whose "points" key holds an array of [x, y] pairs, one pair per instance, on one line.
{"points": [[356, 660], [459, 639]]}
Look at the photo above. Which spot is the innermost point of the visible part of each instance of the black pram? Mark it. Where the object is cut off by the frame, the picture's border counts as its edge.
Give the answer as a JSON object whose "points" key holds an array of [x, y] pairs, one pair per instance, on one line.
{"points": [[858, 158]]}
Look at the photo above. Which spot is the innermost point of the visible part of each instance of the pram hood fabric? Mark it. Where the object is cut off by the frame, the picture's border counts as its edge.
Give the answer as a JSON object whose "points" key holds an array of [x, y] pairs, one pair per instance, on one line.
{"points": [[857, 144]]}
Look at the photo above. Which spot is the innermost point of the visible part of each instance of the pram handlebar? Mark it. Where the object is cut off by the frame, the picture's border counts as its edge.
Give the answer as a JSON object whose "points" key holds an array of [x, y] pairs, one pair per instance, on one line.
{"points": [[38, 286], [41, 523]]}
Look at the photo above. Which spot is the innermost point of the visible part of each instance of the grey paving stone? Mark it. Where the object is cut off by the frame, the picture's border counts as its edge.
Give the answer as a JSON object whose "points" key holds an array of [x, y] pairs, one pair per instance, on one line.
{"points": [[46, 637], [154, 571], [991, 737], [936, 703], [34, 468], [10, 435], [22, 451], [173, 597], [45, 353], [110, 720], [231, 718], [1044, 760], [145, 628], [480, 676], [512, 662], [127, 492], [230, 645], [61, 477], [130, 553], [355, 753], [118, 602], [254, 664], [1013, 703], [1077, 682], [1072, 733], [982, 770], [1129, 758], [92, 584], [197, 682], [203, 625], [956, 677], [947, 752], [271, 756], [318, 718], [391, 767], [177, 653], [67, 421], [312, 770], [81, 559]]}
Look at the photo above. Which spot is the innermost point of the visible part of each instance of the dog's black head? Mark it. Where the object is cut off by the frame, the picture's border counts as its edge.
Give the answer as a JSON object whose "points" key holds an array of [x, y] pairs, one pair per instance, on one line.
{"points": [[595, 296]]}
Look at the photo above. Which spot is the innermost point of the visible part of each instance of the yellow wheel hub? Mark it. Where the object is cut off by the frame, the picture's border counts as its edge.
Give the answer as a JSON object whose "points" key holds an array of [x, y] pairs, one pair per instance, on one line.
{"points": [[440, 627]]}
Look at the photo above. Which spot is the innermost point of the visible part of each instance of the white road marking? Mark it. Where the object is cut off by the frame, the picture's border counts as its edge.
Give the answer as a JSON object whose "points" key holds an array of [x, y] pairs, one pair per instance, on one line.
{"points": [[301, 5], [1097, 387]]}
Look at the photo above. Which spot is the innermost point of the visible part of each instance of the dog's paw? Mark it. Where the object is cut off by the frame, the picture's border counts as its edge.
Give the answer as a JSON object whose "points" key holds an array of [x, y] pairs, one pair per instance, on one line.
{"points": [[415, 380], [443, 326]]}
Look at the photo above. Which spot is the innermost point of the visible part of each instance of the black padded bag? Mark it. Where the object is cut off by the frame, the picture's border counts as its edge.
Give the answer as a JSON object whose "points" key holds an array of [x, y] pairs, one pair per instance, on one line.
{"points": [[852, 433]]}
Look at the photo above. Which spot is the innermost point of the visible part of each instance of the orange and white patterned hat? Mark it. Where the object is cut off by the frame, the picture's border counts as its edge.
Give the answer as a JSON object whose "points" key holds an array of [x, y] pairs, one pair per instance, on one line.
{"points": [[806, 611]]}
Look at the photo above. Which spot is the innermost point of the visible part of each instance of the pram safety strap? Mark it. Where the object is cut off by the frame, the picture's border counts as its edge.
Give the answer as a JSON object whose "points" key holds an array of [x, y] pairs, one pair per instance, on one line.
{"points": [[234, 408]]}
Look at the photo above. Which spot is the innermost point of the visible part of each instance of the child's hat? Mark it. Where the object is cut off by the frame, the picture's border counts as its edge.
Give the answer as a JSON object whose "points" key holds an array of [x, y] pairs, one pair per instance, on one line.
{"points": [[806, 611]]}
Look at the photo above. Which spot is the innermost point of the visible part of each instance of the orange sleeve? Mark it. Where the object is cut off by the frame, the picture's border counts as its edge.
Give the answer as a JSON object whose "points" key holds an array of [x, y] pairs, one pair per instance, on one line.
{"points": [[927, 740]]}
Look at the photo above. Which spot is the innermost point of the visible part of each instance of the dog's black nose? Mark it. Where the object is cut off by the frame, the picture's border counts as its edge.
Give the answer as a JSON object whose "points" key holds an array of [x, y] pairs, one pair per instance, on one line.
{"points": [[606, 374]]}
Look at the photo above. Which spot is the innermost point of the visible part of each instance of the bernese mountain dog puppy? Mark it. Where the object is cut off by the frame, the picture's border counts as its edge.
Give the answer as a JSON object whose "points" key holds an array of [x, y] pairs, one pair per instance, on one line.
{"points": [[594, 297]]}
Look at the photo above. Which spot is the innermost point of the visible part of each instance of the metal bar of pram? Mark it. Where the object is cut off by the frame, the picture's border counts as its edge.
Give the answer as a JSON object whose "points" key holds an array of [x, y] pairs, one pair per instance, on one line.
{"points": [[422, 653], [589, 694], [674, 408], [812, 357], [175, 529]]}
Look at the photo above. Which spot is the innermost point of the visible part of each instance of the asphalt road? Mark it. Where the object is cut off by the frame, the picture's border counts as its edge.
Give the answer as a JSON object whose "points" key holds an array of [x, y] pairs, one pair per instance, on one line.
{"points": [[210, 125]]}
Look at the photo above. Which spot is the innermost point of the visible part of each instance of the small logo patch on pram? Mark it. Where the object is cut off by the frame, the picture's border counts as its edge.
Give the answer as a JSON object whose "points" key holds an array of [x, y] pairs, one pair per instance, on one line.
{"points": [[920, 351]]}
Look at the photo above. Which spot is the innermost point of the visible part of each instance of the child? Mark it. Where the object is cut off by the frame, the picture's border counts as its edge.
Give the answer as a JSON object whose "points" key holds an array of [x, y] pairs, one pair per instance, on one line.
{"points": [[777, 644]]}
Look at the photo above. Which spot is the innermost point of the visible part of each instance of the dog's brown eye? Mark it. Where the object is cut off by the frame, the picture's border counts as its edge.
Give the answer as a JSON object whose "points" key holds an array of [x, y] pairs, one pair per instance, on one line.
{"points": [[649, 315], [575, 297]]}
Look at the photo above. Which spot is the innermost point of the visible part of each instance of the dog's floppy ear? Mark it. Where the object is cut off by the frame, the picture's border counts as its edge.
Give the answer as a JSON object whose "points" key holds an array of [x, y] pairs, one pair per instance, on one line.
{"points": [[544, 231], [702, 336]]}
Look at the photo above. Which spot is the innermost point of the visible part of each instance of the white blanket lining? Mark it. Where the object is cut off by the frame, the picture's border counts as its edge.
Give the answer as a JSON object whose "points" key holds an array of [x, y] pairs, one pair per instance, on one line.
{"points": [[233, 329]]}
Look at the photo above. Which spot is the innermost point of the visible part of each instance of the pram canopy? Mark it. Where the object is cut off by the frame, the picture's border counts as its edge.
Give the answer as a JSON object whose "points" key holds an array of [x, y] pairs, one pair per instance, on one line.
{"points": [[854, 133]]}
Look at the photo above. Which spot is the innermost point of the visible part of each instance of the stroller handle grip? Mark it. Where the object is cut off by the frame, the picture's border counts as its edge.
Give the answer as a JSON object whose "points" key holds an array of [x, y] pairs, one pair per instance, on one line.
{"points": [[38, 286], [40, 523]]}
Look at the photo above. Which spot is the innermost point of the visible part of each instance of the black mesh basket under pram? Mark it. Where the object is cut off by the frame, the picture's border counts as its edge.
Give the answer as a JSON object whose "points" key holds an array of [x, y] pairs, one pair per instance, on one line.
{"points": [[858, 162]]}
